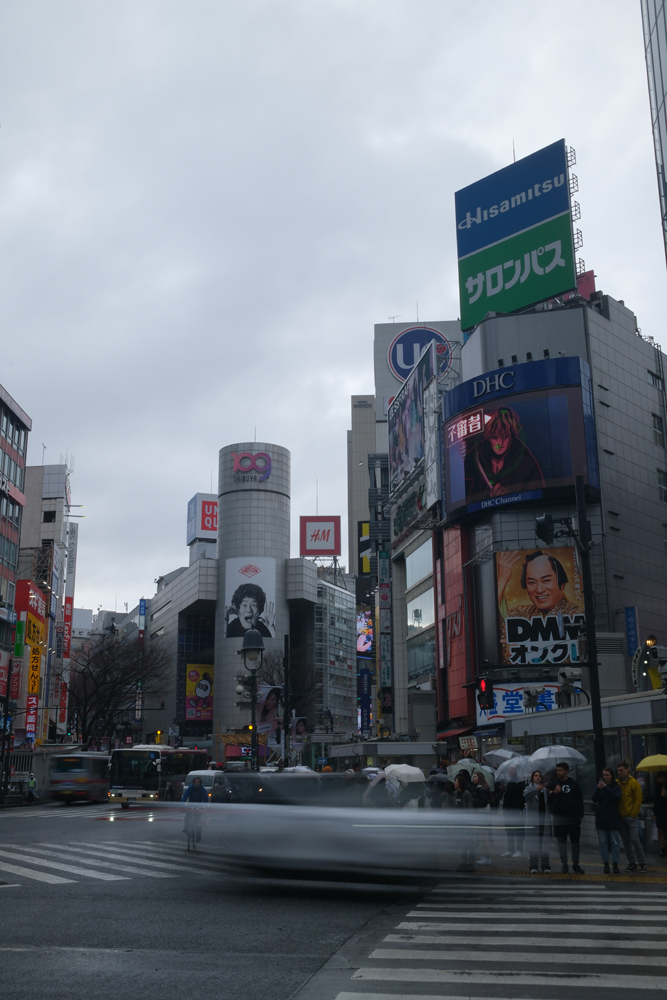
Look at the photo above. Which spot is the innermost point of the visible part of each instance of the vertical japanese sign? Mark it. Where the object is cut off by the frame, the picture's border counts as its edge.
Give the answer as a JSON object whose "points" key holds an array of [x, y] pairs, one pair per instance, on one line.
{"points": [[514, 236], [540, 605], [365, 679], [72, 545], [631, 630]]}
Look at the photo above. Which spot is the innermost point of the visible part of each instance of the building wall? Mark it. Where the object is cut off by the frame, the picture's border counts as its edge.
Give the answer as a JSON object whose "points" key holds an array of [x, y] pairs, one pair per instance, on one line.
{"points": [[253, 522], [360, 444]]}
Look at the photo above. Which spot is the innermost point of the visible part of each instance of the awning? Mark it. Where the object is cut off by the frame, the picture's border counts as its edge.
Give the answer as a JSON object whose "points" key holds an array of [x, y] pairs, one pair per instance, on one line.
{"points": [[454, 732]]}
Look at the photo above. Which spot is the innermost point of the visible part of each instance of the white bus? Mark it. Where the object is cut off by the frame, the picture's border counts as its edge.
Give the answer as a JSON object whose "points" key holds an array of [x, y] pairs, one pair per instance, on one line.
{"points": [[151, 772]]}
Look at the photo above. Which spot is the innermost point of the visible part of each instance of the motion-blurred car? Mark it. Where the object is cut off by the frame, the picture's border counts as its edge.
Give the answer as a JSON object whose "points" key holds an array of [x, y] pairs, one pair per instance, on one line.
{"points": [[213, 782]]}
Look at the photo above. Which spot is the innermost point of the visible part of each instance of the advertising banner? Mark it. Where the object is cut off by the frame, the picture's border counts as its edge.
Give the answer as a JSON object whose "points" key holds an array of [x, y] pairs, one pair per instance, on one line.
{"points": [[250, 596], [202, 518], [17, 679], [365, 681], [31, 715], [364, 539], [364, 632], [406, 421], [320, 536], [199, 691], [514, 236], [299, 730], [631, 630], [34, 667], [540, 605], [513, 446], [268, 708], [4, 673], [432, 488], [508, 701], [30, 598], [62, 709]]}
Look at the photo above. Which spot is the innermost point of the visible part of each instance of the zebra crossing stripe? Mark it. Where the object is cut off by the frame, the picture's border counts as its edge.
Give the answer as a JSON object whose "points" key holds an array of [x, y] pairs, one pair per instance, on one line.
{"points": [[58, 866], [494, 979], [516, 957], [71, 854], [37, 876]]}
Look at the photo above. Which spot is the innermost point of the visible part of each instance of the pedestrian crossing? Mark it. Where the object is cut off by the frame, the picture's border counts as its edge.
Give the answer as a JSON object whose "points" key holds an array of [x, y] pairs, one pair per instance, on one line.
{"points": [[469, 940], [59, 863]]}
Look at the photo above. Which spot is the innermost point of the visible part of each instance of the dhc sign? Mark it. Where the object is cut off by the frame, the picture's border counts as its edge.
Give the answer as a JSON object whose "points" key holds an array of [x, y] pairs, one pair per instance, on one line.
{"points": [[406, 348], [493, 383]]}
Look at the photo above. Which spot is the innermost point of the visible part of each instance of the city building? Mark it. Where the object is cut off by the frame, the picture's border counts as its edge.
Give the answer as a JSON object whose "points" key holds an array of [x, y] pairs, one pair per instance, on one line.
{"points": [[654, 20], [15, 425]]}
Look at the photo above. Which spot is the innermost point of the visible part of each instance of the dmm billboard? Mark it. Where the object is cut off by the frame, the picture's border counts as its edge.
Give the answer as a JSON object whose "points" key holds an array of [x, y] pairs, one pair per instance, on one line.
{"points": [[513, 435], [514, 236]]}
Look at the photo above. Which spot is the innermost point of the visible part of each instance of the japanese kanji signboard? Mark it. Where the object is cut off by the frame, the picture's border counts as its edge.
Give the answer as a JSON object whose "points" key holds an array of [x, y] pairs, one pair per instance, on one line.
{"points": [[34, 666], [540, 606], [514, 236], [508, 701]]}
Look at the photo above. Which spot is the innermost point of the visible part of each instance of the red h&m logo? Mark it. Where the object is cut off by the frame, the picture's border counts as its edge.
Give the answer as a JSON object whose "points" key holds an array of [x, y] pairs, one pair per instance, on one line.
{"points": [[320, 536]]}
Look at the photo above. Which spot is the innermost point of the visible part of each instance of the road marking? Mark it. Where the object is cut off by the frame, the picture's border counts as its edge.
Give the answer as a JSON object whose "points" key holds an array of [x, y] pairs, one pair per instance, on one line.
{"points": [[581, 942], [90, 848], [405, 996], [517, 957], [176, 853], [104, 876], [548, 910], [72, 854], [531, 925], [38, 876], [513, 979], [554, 890]]}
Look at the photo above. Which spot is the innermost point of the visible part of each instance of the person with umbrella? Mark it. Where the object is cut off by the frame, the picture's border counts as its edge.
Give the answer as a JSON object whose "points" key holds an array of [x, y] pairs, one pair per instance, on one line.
{"points": [[513, 806], [566, 802], [536, 795], [628, 809]]}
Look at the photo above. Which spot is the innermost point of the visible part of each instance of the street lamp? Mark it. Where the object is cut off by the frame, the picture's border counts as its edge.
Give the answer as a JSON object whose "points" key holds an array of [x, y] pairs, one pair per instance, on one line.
{"points": [[252, 652]]}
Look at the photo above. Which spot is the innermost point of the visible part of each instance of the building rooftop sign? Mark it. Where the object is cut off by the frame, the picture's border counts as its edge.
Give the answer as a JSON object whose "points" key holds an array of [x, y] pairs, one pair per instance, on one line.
{"points": [[514, 236]]}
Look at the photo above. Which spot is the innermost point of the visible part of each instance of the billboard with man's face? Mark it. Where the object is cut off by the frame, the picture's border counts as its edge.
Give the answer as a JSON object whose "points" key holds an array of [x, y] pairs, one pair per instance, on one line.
{"points": [[250, 596], [541, 609]]}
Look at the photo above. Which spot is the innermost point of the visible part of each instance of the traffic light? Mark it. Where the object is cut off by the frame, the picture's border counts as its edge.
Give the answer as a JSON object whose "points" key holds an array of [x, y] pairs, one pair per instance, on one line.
{"points": [[544, 528], [485, 694], [247, 729]]}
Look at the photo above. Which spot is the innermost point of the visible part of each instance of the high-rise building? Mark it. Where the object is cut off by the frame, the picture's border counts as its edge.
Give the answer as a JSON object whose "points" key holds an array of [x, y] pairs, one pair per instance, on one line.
{"points": [[654, 19]]}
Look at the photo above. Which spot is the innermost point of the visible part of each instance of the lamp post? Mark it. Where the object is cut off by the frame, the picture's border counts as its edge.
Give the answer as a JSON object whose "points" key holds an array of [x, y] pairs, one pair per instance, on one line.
{"points": [[252, 651]]}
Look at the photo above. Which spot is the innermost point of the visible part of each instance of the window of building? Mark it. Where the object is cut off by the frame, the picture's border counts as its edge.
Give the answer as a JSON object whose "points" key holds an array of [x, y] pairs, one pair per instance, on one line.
{"points": [[419, 564], [501, 363], [662, 485], [421, 610], [546, 352], [48, 517], [514, 359], [421, 659], [658, 430], [655, 380], [529, 355]]}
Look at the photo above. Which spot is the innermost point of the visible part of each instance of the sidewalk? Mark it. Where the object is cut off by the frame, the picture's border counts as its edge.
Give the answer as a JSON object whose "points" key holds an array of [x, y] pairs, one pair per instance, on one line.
{"points": [[589, 861]]}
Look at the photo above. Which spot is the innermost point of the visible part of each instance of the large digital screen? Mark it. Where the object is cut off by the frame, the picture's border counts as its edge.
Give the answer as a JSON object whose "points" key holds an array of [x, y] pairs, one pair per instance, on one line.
{"points": [[541, 609], [512, 447], [406, 422], [364, 632]]}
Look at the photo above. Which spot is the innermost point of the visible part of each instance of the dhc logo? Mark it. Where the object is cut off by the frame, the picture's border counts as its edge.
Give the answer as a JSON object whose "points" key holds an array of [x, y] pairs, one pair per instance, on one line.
{"points": [[405, 349]]}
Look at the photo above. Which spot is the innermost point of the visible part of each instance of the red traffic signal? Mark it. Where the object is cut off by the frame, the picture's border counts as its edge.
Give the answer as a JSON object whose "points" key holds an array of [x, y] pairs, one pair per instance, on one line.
{"points": [[485, 694]]}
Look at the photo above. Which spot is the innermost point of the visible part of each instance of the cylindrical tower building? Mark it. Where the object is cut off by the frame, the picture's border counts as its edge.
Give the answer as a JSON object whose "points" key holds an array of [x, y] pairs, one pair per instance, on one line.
{"points": [[253, 546]]}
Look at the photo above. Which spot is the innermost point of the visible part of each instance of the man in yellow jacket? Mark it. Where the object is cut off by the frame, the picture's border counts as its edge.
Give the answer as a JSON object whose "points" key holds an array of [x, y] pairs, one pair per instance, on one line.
{"points": [[628, 809]]}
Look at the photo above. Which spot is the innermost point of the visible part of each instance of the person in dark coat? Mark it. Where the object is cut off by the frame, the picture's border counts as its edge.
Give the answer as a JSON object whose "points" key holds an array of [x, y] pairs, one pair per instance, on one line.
{"points": [[463, 800], [536, 797], [606, 797], [660, 809], [513, 806], [566, 802]]}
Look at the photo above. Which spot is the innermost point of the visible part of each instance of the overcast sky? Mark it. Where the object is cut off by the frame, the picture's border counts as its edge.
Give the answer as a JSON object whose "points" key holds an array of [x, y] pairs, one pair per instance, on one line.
{"points": [[205, 207]]}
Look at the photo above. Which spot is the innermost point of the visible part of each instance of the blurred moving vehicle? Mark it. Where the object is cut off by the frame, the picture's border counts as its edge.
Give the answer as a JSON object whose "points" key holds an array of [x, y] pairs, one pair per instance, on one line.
{"points": [[79, 776], [151, 772]]}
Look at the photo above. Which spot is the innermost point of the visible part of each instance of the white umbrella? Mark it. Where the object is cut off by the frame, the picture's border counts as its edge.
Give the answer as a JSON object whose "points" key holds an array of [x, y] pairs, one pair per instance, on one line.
{"points": [[497, 757], [553, 754], [405, 773], [524, 768]]}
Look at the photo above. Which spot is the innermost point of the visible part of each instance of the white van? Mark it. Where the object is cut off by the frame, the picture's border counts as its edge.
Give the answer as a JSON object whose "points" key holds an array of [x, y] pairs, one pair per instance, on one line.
{"points": [[213, 782]]}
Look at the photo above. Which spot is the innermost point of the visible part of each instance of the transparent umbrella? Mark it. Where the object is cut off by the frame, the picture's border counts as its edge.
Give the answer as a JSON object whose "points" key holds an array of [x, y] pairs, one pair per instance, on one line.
{"points": [[553, 754], [496, 757], [523, 765], [471, 766]]}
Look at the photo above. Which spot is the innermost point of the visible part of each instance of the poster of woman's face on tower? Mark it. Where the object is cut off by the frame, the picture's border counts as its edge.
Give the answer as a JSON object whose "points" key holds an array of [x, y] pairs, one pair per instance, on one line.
{"points": [[250, 596]]}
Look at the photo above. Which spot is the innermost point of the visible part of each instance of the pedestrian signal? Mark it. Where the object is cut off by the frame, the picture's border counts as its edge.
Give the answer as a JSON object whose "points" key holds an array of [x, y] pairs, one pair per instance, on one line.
{"points": [[485, 694]]}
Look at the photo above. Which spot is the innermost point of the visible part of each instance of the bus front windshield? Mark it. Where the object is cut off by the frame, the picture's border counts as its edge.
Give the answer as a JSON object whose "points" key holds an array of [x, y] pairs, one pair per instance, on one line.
{"points": [[135, 769], [65, 765]]}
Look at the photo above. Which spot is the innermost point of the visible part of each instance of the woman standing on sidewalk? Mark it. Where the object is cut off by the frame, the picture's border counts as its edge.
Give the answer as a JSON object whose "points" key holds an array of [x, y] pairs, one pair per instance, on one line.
{"points": [[537, 819], [606, 797]]}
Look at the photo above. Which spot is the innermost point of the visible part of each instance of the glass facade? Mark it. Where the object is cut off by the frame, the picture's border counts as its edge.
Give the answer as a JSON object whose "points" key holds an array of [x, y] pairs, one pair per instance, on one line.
{"points": [[421, 659], [421, 613], [655, 48], [419, 564]]}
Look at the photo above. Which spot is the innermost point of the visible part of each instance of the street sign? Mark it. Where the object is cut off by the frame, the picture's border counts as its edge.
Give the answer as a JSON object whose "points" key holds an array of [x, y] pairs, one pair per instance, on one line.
{"points": [[322, 760]]}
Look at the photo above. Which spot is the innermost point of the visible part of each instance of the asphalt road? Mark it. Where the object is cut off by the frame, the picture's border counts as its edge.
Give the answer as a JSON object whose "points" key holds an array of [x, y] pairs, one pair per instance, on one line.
{"points": [[101, 903]]}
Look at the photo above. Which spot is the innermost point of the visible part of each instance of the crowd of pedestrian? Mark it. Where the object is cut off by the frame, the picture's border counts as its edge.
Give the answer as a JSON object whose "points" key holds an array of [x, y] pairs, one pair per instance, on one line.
{"points": [[550, 807]]}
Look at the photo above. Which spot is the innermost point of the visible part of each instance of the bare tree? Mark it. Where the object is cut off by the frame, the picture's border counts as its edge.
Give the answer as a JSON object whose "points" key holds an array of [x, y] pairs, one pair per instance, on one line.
{"points": [[105, 675], [302, 681]]}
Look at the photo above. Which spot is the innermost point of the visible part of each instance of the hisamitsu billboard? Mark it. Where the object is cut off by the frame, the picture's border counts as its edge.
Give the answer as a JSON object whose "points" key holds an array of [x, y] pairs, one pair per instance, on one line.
{"points": [[514, 236]]}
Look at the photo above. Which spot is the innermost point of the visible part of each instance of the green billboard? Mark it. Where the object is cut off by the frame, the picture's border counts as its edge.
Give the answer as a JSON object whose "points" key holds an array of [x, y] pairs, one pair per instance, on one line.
{"points": [[529, 267]]}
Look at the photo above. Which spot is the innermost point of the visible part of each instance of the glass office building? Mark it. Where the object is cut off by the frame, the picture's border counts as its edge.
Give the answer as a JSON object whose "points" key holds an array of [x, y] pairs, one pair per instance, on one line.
{"points": [[654, 19]]}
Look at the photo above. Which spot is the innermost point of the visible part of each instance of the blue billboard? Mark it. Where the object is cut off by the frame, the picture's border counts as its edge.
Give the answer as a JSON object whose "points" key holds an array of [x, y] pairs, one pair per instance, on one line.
{"points": [[518, 434], [514, 236]]}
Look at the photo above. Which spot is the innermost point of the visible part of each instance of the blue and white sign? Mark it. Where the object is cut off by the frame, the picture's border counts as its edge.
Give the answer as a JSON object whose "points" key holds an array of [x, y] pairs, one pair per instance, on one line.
{"points": [[406, 349], [631, 630], [508, 701], [513, 199]]}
